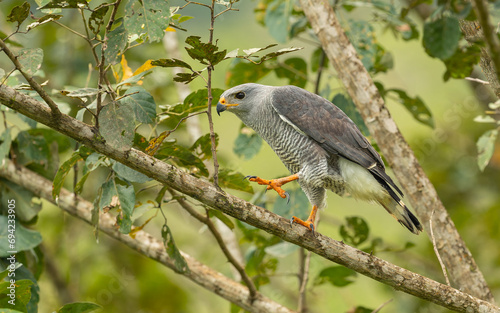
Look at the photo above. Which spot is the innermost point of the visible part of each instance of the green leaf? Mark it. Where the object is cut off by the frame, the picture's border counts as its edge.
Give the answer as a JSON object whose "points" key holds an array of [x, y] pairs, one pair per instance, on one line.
{"points": [[65, 4], [316, 59], [116, 126], [22, 295], [355, 231], [185, 78], [30, 59], [222, 217], [183, 157], [26, 208], [171, 63], [276, 19], [241, 72], [247, 144], [416, 106], [5, 143], [278, 53], [172, 251], [116, 43], [32, 149], [62, 172], [194, 102], [298, 204], [441, 37], [486, 147], [281, 249], [19, 13], [295, 70], [129, 174], [339, 276], [142, 103], [461, 64], [252, 51], [126, 195], [362, 309], [348, 107], [134, 79], [204, 52], [203, 146], [147, 18], [25, 239], [234, 180], [96, 19], [79, 307]]}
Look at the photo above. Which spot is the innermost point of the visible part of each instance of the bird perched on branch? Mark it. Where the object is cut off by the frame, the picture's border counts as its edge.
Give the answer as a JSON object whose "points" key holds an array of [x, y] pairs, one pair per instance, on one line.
{"points": [[321, 147]]}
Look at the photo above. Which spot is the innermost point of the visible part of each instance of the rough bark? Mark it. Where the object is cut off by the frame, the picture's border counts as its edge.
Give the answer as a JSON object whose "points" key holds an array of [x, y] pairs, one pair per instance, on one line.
{"points": [[462, 268], [205, 192], [143, 242]]}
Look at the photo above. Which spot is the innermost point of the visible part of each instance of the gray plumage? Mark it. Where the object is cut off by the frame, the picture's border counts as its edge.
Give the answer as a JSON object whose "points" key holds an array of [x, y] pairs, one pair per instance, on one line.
{"points": [[316, 140]]}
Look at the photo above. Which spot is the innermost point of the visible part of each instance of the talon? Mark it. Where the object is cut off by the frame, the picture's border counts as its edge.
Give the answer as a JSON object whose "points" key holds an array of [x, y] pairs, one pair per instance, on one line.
{"points": [[249, 177], [287, 196], [311, 227], [292, 220]]}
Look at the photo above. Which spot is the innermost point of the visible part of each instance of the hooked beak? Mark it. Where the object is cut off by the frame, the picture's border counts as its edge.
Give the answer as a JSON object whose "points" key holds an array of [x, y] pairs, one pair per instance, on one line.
{"points": [[223, 106]]}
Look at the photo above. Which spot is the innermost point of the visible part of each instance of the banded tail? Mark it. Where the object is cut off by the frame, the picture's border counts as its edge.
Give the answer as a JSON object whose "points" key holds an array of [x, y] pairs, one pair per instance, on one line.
{"points": [[400, 212]]}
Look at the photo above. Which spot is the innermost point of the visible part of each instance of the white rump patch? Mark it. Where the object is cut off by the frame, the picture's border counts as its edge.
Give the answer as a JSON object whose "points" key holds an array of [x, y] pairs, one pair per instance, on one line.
{"points": [[360, 183]]}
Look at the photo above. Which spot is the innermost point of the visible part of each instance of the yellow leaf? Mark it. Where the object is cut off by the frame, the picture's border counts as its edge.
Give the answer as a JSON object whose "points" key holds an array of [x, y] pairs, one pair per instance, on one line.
{"points": [[146, 66], [155, 143], [127, 71], [135, 230], [170, 29]]}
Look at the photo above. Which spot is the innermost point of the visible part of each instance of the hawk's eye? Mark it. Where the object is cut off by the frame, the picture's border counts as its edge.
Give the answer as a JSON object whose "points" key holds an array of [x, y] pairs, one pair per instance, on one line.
{"points": [[240, 95]]}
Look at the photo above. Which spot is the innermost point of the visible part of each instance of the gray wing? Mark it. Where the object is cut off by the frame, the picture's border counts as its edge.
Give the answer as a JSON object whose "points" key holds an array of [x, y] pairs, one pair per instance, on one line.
{"points": [[331, 128]]}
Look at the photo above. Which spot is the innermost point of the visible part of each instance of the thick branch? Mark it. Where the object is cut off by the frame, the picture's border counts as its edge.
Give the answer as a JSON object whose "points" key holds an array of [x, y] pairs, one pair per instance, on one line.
{"points": [[203, 191], [143, 242], [423, 197]]}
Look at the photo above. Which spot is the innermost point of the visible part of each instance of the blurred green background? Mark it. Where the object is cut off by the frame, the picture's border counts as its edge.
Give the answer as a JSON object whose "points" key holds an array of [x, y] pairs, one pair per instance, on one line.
{"points": [[121, 280]]}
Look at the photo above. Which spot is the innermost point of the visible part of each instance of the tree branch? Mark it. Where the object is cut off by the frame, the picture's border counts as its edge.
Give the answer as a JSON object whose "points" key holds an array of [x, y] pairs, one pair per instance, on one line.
{"points": [[143, 242], [464, 272], [205, 192]]}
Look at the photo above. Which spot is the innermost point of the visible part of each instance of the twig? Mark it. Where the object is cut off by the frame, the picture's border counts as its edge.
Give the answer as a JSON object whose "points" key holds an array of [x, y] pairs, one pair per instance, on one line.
{"points": [[382, 305], [483, 16], [220, 241], [436, 251], [320, 71], [304, 262], [477, 80], [31, 81]]}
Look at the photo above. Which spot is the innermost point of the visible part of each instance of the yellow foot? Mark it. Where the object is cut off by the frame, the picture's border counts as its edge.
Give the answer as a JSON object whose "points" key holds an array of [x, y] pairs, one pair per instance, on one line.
{"points": [[275, 184], [309, 223]]}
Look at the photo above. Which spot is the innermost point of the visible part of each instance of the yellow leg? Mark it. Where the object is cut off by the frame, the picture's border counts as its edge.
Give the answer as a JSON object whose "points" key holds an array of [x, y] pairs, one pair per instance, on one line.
{"points": [[309, 223]]}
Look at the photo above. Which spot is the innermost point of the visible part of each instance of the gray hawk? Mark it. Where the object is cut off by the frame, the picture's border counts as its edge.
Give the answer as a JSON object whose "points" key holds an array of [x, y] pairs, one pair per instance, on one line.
{"points": [[319, 144]]}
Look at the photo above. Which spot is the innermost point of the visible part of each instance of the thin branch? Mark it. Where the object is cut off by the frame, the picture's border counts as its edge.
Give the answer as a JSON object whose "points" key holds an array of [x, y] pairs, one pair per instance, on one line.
{"points": [[477, 80], [205, 192], [382, 306], [143, 242], [31, 81], [417, 186], [490, 36], [436, 251], [320, 71], [304, 262], [220, 241]]}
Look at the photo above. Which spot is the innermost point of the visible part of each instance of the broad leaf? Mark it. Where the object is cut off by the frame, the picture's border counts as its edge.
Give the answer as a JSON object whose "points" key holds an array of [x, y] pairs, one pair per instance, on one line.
{"points": [[126, 195], [19, 13], [62, 172], [65, 4], [129, 174], [441, 37], [147, 18], [276, 19], [116, 125], [486, 147], [339, 276], [416, 106], [5, 143], [32, 149], [97, 16], [172, 251], [222, 217], [194, 102], [22, 296], [462, 62], [117, 41], [79, 307], [25, 238], [205, 53], [26, 208], [295, 70], [182, 157], [355, 231], [234, 180], [171, 63], [203, 146], [43, 20], [142, 103], [241, 72], [30, 59], [247, 144]]}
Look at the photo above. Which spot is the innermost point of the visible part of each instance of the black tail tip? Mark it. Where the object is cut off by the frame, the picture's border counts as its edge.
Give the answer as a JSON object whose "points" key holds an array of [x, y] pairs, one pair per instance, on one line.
{"points": [[411, 222]]}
